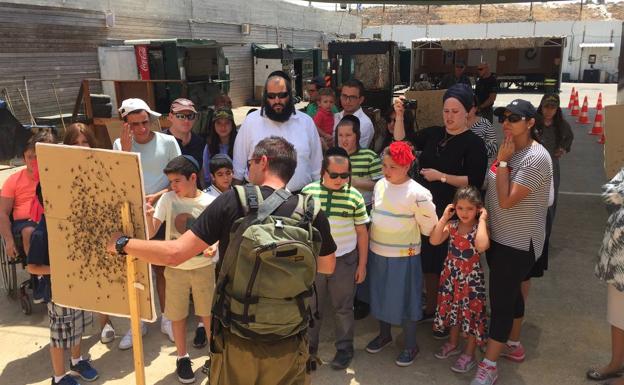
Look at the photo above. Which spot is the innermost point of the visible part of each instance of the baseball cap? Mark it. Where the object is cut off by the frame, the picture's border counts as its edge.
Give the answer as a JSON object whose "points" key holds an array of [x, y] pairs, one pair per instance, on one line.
{"points": [[519, 107], [551, 100], [135, 104], [223, 113], [182, 104]]}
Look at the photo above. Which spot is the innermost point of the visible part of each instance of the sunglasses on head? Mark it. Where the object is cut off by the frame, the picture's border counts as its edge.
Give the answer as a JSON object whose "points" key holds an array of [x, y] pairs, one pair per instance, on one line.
{"points": [[182, 116], [277, 95], [513, 118], [335, 175]]}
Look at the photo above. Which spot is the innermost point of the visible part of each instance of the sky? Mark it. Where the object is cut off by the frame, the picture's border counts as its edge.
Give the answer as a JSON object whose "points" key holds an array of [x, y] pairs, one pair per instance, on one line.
{"points": [[332, 6]]}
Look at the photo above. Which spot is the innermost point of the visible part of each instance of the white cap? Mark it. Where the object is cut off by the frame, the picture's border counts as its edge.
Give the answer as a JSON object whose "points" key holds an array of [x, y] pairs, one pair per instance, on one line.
{"points": [[134, 104]]}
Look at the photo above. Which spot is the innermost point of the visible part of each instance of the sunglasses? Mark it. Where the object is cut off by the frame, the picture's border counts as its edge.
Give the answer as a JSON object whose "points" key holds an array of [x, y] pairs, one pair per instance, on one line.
{"points": [[277, 95], [513, 118], [350, 98], [182, 116], [335, 175]]}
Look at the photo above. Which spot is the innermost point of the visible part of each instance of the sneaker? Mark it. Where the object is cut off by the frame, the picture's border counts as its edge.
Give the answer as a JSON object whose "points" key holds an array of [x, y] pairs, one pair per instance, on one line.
{"points": [[108, 333], [166, 328], [513, 353], [184, 370], [377, 345], [447, 350], [38, 290], [406, 358], [206, 368], [342, 359], [464, 364], [126, 340], [200, 339], [83, 369], [66, 380], [440, 335], [486, 375]]}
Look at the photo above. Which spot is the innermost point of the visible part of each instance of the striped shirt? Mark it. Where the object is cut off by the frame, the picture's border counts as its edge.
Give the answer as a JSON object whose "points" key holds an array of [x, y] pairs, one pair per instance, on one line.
{"points": [[345, 209], [524, 223], [401, 213], [484, 130], [365, 164]]}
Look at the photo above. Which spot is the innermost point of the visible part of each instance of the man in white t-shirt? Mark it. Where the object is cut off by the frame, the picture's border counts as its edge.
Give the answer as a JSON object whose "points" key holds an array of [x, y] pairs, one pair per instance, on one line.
{"points": [[156, 151], [351, 99], [278, 117]]}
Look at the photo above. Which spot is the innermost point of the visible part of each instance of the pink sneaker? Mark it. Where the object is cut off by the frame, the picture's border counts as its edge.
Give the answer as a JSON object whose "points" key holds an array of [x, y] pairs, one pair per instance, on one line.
{"points": [[447, 350], [514, 353], [464, 364], [486, 375]]}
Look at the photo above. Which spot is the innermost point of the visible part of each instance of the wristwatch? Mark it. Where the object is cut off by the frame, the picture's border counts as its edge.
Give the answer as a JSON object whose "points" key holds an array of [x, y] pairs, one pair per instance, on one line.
{"points": [[502, 164], [121, 243], [443, 178]]}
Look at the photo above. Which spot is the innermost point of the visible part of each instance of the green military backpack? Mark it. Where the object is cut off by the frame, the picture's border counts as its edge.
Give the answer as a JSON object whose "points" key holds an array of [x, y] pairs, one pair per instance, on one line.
{"points": [[267, 275]]}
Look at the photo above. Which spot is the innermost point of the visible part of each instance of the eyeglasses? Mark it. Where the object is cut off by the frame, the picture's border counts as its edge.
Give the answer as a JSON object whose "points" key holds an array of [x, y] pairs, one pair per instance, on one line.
{"points": [[182, 116], [276, 95], [255, 160], [335, 175], [350, 98], [513, 118]]}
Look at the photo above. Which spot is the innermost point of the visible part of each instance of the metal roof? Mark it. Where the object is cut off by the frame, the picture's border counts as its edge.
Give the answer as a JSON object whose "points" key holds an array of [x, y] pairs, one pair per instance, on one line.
{"points": [[425, 2], [597, 45], [487, 42]]}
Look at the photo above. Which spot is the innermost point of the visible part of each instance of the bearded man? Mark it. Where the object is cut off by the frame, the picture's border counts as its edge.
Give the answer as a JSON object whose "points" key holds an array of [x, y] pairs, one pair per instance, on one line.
{"points": [[278, 117]]}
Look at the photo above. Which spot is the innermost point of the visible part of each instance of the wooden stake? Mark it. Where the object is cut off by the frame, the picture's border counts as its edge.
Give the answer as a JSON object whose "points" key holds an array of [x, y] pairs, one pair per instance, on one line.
{"points": [[133, 294], [58, 103]]}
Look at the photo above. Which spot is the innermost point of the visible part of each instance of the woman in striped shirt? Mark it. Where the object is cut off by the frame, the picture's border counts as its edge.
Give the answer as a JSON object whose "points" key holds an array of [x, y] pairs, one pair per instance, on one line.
{"points": [[365, 164], [518, 188]]}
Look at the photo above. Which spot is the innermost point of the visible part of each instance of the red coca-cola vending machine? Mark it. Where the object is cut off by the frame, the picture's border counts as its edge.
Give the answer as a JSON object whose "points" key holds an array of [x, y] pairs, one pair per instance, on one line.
{"points": [[142, 61]]}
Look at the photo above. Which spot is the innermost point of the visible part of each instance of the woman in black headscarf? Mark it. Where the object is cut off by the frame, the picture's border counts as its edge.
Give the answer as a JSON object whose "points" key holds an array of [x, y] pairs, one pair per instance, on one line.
{"points": [[451, 156]]}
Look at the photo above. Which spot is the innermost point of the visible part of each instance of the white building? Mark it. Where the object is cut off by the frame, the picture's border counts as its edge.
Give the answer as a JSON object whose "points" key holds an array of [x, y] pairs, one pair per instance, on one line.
{"points": [[595, 40]]}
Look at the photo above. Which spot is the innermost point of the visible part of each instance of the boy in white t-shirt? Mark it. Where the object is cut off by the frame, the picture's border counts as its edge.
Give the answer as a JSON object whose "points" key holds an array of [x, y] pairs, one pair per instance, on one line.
{"points": [[179, 208]]}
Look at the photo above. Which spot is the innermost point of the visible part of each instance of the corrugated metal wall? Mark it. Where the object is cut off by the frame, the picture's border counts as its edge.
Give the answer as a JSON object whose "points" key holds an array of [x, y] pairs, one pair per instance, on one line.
{"points": [[52, 44]]}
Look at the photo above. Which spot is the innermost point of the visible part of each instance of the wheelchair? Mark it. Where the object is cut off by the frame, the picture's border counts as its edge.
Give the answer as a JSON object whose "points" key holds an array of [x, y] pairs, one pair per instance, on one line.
{"points": [[8, 270]]}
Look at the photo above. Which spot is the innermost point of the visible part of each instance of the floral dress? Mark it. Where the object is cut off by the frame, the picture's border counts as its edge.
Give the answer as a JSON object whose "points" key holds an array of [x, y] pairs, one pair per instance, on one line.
{"points": [[461, 294]]}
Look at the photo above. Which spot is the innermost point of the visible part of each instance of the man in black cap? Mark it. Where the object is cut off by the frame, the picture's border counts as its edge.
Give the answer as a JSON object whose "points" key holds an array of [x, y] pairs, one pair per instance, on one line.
{"points": [[458, 76]]}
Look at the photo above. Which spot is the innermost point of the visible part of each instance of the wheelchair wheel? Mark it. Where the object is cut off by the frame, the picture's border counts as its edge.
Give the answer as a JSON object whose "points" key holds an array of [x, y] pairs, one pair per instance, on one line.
{"points": [[8, 272], [26, 305]]}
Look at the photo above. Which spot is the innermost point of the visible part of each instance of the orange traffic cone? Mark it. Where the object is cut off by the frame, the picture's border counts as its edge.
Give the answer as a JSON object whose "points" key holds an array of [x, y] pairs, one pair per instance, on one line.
{"points": [[571, 102], [602, 139], [575, 107], [584, 117], [597, 129], [599, 104]]}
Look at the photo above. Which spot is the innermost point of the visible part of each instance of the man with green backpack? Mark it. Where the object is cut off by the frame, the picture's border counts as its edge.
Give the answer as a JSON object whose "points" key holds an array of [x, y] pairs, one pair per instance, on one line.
{"points": [[273, 243]]}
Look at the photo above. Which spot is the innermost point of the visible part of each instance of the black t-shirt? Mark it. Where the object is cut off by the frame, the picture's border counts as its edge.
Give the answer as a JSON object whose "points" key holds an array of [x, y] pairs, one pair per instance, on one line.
{"points": [[485, 86], [194, 148], [215, 223], [462, 154]]}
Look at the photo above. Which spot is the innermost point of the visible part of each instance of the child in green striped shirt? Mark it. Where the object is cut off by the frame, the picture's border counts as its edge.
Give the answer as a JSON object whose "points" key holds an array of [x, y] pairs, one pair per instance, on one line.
{"points": [[346, 211]]}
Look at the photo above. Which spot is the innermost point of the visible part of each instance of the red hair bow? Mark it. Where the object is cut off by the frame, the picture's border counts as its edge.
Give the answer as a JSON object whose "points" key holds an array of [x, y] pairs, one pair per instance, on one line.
{"points": [[401, 153]]}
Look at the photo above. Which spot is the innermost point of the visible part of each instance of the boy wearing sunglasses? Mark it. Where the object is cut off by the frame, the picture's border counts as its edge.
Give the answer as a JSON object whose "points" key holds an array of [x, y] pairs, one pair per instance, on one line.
{"points": [[182, 116], [346, 211]]}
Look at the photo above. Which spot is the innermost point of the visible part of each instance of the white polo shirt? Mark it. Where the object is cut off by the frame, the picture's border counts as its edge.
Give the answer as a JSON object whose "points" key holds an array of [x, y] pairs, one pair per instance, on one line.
{"points": [[367, 130], [299, 130]]}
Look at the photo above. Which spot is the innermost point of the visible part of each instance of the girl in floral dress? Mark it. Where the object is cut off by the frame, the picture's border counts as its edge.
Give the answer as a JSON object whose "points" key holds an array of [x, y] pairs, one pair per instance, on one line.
{"points": [[461, 294]]}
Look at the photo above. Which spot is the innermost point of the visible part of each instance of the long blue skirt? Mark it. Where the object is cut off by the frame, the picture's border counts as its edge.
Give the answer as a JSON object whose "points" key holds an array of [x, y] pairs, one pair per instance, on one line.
{"points": [[395, 288]]}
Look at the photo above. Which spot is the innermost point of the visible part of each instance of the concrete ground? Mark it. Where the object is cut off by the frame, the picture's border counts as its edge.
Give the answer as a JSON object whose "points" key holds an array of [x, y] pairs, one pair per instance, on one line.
{"points": [[565, 329]]}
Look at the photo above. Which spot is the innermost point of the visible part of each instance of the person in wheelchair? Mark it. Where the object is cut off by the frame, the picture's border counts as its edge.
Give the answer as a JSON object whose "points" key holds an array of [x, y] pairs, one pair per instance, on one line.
{"points": [[16, 200]]}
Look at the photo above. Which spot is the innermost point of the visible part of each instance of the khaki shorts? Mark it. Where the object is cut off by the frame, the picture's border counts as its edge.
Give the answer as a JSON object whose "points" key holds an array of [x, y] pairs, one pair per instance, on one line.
{"points": [[180, 283]]}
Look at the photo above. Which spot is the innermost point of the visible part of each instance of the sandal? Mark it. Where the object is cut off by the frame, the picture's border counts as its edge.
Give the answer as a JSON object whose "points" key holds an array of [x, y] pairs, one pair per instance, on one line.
{"points": [[594, 374]]}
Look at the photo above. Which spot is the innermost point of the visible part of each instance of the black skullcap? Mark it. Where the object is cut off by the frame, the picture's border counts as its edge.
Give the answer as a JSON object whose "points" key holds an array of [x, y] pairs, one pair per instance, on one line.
{"points": [[281, 74], [336, 151], [461, 92]]}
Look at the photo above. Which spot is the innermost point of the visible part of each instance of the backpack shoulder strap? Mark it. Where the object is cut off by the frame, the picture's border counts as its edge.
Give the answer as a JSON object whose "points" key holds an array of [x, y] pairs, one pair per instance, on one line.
{"points": [[249, 197], [306, 209], [272, 203]]}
